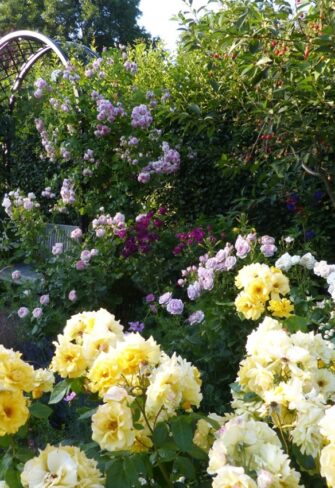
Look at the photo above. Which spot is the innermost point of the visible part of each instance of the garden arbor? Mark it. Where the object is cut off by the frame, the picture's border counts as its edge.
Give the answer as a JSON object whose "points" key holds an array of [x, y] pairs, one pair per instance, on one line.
{"points": [[19, 51]]}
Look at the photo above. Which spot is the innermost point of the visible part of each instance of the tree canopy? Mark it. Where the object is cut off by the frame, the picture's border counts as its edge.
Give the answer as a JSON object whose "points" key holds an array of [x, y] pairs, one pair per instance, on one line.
{"points": [[98, 22]]}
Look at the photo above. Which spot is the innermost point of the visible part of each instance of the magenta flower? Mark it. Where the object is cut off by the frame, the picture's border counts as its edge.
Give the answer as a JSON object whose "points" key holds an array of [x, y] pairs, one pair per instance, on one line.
{"points": [[80, 265], [150, 298]]}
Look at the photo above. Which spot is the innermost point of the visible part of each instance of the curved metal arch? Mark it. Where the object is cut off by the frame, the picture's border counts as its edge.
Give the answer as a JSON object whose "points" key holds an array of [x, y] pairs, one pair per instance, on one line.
{"points": [[19, 51]]}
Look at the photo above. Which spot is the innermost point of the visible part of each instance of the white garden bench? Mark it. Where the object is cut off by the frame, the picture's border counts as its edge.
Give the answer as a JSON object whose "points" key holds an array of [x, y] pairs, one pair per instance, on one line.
{"points": [[53, 233]]}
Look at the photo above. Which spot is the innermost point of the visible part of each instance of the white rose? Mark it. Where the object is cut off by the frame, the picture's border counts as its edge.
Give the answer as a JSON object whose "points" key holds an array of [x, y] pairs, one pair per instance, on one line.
{"points": [[307, 261]]}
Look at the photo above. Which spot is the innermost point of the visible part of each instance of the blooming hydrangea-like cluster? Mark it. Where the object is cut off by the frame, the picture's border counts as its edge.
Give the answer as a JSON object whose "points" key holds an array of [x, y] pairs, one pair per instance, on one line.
{"points": [[41, 87], [65, 466], [260, 285], [46, 143], [131, 66], [249, 454], [106, 225], [67, 192], [107, 112], [16, 378], [308, 261], [120, 368], [141, 117], [16, 200], [168, 163], [293, 380]]}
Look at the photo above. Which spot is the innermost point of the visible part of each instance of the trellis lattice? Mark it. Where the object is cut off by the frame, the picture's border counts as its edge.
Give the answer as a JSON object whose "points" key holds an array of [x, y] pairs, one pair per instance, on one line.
{"points": [[19, 51]]}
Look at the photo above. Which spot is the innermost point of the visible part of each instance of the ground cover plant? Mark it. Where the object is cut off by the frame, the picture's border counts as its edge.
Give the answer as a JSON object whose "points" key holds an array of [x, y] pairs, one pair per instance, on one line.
{"points": [[185, 330]]}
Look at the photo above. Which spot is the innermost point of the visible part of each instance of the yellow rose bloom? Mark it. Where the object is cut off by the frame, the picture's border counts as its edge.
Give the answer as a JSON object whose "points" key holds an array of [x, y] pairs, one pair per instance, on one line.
{"points": [[327, 463], [136, 351], [174, 384], [281, 308], [13, 411], [43, 382], [280, 284], [90, 322], [258, 290], [104, 373], [248, 306], [252, 272], [112, 427], [16, 374], [63, 466], [69, 360]]}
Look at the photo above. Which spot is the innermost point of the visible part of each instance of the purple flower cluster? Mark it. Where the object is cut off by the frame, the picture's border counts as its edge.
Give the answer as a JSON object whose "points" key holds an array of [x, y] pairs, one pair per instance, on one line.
{"points": [[107, 112], [174, 306], [136, 326], [268, 248], [85, 258], [203, 276], [101, 130], [41, 87], [107, 225], [37, 312], [141, 117], [143, 233], [168, 163], [46, 143], [47, 193], [194, 236], [131, 66], [67, 192], [18, 199]]}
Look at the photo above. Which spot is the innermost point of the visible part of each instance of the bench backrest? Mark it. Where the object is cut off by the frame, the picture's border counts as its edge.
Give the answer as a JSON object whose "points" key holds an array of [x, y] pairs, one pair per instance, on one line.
{"points": [[58, 233]]}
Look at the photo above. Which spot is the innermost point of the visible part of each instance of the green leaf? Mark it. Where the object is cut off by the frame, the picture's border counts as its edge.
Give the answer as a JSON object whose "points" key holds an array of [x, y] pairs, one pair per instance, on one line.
{"points": [[160, 435], [185, 467], [296, 323], [40, 411], [5, 464], [12, 478], [88, 414], [182, 433], [59, 392], [193, 107]]}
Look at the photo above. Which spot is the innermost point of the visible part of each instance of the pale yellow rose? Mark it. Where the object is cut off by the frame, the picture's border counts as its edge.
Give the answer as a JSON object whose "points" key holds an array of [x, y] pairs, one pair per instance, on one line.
{"points": [[233, 477], [43, 382], [104, 373], [112, 427], [327, 463], [68, 361], [61, 467]]}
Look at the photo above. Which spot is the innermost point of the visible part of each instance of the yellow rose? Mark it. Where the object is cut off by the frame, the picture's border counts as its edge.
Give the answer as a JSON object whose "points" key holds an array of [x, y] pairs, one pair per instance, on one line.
{"points": [[43, 383], [104, 373], [279, 284], [112, 426], [136, 351], [248, 306], [63, 466], [16, 374], [13, 411], [68, 361], [281, 308], [258, 290]]}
